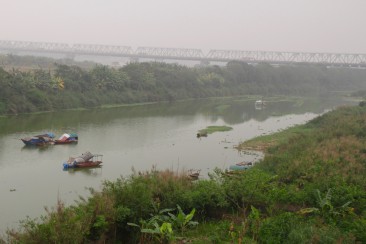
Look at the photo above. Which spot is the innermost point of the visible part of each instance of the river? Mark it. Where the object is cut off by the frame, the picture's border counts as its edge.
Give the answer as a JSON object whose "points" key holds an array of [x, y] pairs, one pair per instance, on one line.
{"points": [[132, 137]]}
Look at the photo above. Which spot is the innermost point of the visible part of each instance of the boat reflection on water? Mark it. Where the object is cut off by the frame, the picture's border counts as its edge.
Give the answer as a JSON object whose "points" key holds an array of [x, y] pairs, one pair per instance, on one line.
{"points": [[43, 148], [91, 171]]}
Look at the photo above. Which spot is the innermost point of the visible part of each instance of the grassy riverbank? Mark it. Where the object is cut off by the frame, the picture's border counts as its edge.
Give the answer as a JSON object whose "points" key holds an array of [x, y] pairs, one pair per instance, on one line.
{"points": [[309, 188]]}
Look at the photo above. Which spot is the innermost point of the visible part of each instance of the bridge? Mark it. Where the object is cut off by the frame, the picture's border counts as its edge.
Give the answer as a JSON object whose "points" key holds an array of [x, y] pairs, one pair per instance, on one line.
{"points": [[155, 53]]}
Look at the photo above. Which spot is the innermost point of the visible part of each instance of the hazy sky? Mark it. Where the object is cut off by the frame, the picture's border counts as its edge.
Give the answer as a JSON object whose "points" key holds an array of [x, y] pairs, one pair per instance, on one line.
{"points": [[269, 25]]}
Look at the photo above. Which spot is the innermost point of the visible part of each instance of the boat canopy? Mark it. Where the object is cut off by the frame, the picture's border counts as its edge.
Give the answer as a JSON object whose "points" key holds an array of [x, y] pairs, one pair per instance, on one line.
{"points": [[48, 134], [66, 137], [83, 158]]}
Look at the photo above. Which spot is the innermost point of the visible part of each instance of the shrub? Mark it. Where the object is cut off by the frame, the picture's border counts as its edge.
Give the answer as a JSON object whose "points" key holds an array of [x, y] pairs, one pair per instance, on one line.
{"points": [[252, 187], [276, 229], [208, 196]]}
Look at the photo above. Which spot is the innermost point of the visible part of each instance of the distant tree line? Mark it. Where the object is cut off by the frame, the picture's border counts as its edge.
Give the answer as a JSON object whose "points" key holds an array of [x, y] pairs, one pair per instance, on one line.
{"points": [[70, 86], [11, 61]]}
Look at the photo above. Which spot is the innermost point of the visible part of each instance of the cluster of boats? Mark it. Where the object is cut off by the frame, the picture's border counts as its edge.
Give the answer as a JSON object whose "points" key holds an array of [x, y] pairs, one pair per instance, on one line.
{"points": [[49, 139], [85, 160]]}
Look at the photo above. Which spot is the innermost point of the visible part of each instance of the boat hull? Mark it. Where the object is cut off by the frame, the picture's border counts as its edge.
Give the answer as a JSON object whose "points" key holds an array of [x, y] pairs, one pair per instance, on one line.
{"points": [[88, 164], [58, 142], [239, 167], [39, 140], [36, 142]]}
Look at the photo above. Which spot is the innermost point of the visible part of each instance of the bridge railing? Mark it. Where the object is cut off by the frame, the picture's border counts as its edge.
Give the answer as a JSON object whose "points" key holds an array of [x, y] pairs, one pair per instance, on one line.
{"points": [[169, 52], [102, 49], [185, 53]]}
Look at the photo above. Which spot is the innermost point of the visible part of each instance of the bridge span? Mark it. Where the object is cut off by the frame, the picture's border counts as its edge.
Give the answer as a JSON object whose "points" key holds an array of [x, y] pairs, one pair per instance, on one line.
{"points": [[156, 53]]}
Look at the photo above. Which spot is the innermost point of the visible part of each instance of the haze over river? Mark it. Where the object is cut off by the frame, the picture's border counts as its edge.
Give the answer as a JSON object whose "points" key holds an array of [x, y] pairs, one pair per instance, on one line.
{"points": [[136, 137]]}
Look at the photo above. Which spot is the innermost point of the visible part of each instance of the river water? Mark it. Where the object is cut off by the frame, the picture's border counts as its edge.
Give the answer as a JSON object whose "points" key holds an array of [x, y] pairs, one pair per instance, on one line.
{"points": [[135, 137]]}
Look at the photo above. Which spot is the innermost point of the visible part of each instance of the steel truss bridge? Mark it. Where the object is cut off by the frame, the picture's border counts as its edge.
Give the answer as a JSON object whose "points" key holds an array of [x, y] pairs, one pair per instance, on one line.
{"points": [[161, 54]]}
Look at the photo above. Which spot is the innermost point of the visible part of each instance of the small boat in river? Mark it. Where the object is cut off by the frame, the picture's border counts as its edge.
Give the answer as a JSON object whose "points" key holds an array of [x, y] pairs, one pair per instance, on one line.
{"points": [[85, 160], [259, 104], [241, 166], [67, 139], [39, 140], [194, 174]]}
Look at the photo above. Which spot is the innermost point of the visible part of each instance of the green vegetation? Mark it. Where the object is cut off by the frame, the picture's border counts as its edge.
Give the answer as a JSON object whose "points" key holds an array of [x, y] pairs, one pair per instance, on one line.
{"points": [[310, 188], [164, 225], [27, 63], [67, 85], [213, 128], [262, 143]]}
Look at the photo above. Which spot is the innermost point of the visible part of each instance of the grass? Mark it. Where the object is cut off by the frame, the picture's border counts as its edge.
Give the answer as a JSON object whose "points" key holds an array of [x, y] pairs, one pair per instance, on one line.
{"points": [[214, 128], [210, 232], [262, 143], [124, 105]]}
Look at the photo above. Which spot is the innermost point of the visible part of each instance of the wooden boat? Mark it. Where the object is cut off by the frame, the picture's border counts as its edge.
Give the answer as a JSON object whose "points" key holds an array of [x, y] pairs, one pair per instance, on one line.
{"points": [[241, 166], [67, 139], [85, 160], [88, 164], [194, 174], [39, 140]]}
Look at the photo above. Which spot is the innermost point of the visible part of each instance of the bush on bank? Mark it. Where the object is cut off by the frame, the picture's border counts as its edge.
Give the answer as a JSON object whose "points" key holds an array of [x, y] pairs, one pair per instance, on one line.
{"points": [[65, 86]]}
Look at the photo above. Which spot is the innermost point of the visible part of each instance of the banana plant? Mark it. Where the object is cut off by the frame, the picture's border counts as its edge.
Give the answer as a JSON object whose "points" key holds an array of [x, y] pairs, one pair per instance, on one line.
{"points": [[162, 226], [182, 220], [325, 207]]}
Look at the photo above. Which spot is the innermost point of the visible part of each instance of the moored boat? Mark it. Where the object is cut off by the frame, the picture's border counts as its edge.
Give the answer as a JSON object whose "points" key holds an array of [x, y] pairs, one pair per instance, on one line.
{"points": [[87, 164], [67, 139], [39, 140], [194, 174], [259, 104], [241, 166], [85, 160]]}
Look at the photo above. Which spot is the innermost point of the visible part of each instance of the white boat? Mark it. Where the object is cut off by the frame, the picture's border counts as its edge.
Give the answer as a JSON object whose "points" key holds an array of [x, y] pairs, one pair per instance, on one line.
{"points": [[259, 104]]}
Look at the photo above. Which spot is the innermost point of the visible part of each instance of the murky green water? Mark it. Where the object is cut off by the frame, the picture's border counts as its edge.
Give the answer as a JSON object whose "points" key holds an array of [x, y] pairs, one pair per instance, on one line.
{"points": [[136, 137]]}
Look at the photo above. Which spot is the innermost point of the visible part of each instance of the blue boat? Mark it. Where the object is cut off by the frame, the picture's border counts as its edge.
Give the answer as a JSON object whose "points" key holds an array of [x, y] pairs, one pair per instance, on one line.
{"points": [[241, 166], [39, 140], [85, 160]]}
